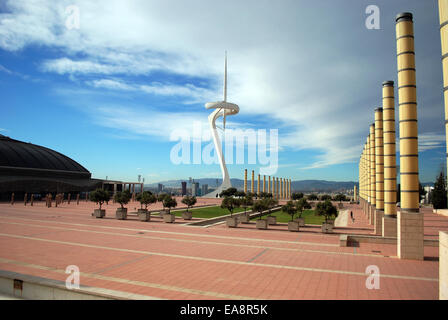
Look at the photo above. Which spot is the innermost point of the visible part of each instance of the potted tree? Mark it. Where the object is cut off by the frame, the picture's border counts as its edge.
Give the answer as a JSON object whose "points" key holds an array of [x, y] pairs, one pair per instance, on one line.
{"points": [[230, 203], [230, 192], [169, 202], [271, 203], [328, 210], [99, 196], [189, 201], [122, 197], [291, 209], [160, 198], [260, 206], [145, 198], [340, 197], [246, 202], [301, 205]]}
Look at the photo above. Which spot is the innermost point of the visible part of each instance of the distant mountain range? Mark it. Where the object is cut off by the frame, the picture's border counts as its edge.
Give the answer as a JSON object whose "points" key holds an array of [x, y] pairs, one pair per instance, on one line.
{"points": [[299, 185]]}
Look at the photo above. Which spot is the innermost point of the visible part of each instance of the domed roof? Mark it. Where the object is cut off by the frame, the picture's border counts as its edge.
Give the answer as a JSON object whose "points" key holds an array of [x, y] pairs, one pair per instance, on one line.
{"points": [[19, 154]]}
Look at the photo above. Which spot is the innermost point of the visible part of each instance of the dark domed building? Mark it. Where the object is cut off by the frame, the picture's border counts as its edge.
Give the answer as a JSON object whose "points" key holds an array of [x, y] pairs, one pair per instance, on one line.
{"points": [[29, 168]]}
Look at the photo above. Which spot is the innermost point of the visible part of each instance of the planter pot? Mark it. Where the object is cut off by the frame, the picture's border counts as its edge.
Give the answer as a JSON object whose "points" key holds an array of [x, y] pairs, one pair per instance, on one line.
{"points": [[244, 218], [169, 218], [272, 220], [97, 213], [293, 226], [232, 222], [187, 215], [121, 213], [143, 215], [301, 221], [262, 224], [327, 227]]}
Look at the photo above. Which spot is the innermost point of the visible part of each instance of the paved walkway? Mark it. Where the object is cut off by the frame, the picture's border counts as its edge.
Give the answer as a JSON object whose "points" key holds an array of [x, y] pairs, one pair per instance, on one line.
{"points": [[175, 261]]}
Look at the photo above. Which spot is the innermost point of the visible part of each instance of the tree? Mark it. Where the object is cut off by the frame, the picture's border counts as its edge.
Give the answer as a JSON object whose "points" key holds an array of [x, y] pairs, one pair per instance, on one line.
{"points": [[169, 202], [189, 201], [290, 208], [161, 197], [122, 197], [230, 203], [325, 197], [245, 202], [230, 192], [270, 203], [301, 205], [340, 197], [240, 194], [261, 205], [438, 195], [312, 197], [264, 195], [326, 209], [421, 191], [297, 195], [99, 196], [145, 198]]}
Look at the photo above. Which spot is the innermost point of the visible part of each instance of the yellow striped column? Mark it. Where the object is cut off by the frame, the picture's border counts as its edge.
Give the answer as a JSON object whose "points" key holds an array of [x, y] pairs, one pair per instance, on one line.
{"points": [[368, 177], [264, 183], [276, 189], [443, 14], [281, 188], [355, 193], [252, 187], [269, 185], [410, 221], [290, 189], [390, 162], [258, 185], [379, 173], [372, 174], [245, 181]]}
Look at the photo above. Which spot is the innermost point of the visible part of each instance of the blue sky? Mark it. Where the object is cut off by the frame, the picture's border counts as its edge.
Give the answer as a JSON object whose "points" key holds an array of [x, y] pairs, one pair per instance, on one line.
{"points": [[110, 93]]}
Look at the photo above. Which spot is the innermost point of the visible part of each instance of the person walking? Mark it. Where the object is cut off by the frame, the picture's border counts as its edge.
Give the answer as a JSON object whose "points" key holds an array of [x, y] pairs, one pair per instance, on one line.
{"points": [[351, 215]]}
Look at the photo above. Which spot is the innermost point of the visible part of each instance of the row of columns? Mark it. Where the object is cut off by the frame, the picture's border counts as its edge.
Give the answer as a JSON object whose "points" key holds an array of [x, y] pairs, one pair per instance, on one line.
{"points": [[279, 187], [443, 236], [377, 166]]}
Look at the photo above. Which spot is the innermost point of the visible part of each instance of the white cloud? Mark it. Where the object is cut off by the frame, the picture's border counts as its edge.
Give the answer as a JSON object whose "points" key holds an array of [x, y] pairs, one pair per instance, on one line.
{"points": [[283, 63], [430, 140]]}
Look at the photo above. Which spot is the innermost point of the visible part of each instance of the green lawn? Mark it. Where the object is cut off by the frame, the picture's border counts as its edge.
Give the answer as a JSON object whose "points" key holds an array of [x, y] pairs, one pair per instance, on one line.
{"points": [[309, 216], [209, 212]]}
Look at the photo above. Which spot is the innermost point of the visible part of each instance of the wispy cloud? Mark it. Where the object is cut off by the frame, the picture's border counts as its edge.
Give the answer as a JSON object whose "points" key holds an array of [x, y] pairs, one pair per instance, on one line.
{"points": [[321, 104]]}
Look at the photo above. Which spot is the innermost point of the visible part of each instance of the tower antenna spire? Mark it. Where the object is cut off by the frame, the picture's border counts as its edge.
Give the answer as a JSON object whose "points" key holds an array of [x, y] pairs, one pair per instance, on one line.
{"points": [[225, 77]]}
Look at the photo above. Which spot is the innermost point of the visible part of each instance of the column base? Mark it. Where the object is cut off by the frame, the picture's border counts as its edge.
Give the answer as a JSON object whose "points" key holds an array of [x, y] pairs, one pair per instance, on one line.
{"points": [[378, 222], [410, 235], [372, 214], [389, 226], [443, 265]]}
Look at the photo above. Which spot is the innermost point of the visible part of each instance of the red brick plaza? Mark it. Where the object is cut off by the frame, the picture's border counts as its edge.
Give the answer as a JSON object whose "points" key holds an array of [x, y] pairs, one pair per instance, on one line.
{"points": [[176, 261]]}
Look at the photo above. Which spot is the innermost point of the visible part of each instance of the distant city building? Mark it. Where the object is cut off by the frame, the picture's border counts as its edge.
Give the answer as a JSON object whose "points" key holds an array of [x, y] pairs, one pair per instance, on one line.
{"points": [[195, 189], [184, 187], [160, 187], [204, 189]]}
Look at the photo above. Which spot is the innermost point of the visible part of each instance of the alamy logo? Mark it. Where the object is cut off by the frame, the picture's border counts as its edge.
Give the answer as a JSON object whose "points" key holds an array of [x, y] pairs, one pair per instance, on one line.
{"points": [[373, 280], [72, 21], [373, 20], [72, 281], [262, 148]]}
